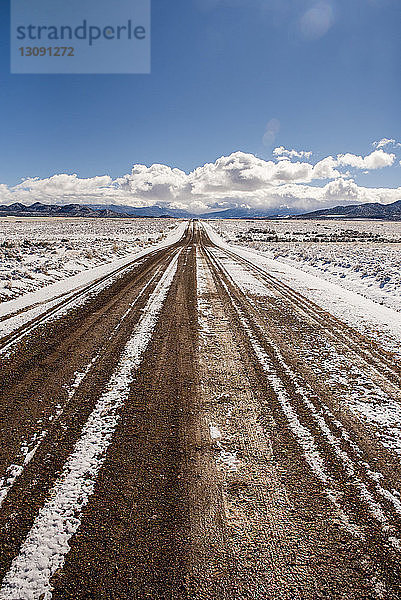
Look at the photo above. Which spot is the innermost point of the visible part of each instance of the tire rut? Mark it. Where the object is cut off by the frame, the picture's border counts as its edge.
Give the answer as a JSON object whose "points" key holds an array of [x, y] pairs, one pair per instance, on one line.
{"points": [[243, 316]]}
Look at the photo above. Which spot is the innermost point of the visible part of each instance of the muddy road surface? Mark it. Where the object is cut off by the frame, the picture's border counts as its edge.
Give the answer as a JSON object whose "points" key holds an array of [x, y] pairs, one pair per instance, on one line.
{"points": [[191, 429]]}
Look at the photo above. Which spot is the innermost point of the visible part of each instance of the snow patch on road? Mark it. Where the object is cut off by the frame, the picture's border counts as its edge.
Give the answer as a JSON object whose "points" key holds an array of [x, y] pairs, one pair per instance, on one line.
{"points": [[215, 432], [226, 460], [205, 312], [249, 283], [369, 402], [304, 437]]}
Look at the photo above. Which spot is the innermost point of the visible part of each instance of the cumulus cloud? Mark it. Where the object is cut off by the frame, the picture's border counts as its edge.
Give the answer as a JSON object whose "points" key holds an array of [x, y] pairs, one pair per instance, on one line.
{"points": [[375, 160], [157, 183], [240, 179], [241, 172], [280, 151], [68, 184], [325, 169]]}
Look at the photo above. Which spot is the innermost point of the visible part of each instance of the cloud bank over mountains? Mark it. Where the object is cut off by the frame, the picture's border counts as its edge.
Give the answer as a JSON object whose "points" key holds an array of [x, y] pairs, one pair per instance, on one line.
{"points": [[290, 180]]}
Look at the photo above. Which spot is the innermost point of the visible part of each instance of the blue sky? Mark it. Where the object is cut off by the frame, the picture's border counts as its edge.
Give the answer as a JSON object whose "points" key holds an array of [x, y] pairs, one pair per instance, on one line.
{"points": [[325, 75]]}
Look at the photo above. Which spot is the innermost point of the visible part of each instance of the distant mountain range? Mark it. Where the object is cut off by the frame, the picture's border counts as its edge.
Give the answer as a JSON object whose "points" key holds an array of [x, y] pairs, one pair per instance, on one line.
{"points": [[370, 210], [82, 210], [248, 213], [118, 211], [389, 212], [54, 210], [148, 211], [228, 213]]}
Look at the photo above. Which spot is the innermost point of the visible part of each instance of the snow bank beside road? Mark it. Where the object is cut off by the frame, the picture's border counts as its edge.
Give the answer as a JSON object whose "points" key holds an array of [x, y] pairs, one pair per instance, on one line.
{"points": [[361, 256], [373, 271], [37, 252], [36, 303], [365, 315]]}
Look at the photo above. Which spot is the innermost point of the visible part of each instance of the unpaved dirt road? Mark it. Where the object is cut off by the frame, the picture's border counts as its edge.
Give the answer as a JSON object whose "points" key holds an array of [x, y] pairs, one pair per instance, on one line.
{"points": [[190, 432]]}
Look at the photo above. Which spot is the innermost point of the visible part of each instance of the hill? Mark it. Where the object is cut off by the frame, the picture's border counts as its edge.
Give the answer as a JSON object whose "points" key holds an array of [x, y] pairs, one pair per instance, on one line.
{"points": [[370, 210], [247, 213], [54, 210]]}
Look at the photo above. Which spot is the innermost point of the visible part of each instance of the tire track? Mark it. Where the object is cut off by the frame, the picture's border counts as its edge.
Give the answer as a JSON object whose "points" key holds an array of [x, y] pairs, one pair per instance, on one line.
{"points": [[322, 445], [270, 553], [157, 496], [368, 350], [30, 448], [47, 543], [36, 381], [30, 488]]}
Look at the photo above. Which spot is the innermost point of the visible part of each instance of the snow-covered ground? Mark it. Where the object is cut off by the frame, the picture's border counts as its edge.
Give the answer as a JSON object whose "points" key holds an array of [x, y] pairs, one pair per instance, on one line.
{"points": [[37, 252], [72, 290], [361, 256], [362, 311]]}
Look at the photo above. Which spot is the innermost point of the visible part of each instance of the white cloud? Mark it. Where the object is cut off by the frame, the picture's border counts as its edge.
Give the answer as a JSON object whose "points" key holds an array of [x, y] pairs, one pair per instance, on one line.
{"points": [[68, 184], [324, 169], [157, 183], [375, 160], [241, 172], [5, 194], [240, 179], [385, 142], [283, 152]]}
